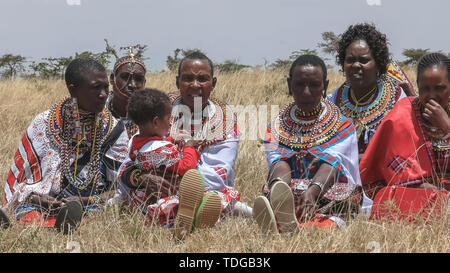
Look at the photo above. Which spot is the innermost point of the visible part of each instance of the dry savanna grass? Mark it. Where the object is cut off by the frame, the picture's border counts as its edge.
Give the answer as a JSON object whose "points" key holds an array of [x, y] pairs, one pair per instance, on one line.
{"points": [[124, 231]]}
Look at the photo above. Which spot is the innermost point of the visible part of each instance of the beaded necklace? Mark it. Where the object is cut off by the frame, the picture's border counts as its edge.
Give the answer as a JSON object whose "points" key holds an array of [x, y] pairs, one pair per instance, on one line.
{"points": [[131, 128], [69, 136], [314, 113], [217, 124], [303, 133], [369, 116]]}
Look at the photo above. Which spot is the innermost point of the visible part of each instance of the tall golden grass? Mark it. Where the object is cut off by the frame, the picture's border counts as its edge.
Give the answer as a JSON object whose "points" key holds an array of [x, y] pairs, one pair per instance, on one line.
{"points": [[120, 231]]}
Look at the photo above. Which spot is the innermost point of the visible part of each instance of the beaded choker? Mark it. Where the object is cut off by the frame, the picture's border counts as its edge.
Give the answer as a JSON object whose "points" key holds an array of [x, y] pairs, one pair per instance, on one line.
{"points": [[315, 112], [303, 133]]}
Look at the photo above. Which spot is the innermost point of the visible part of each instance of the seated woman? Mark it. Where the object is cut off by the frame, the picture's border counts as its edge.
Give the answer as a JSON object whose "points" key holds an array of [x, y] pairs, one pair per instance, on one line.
{"points": [[373, 83], [313, 158], [414, 136], [59, 167]]}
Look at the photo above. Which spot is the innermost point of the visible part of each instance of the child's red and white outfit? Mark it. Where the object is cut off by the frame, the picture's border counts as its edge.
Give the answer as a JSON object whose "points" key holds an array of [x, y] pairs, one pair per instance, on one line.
{"points": [[154, 153]]}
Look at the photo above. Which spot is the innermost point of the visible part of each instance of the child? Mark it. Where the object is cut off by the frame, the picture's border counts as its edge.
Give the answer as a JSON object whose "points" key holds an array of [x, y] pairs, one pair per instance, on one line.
{"points": [[150, 110]]}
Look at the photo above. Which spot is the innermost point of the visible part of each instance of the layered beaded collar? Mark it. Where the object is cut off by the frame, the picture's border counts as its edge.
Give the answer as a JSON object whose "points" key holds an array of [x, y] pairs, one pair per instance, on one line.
{"points": [[76, 139], [369, 115], [300, 133]]}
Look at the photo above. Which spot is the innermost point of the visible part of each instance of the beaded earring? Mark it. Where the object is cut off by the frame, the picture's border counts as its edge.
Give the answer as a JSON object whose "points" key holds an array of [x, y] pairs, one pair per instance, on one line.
{"points": [[76, 116]]}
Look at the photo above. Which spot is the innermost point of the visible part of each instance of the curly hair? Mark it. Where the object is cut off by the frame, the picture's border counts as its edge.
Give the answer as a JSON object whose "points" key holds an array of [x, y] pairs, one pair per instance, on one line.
{"points": [[377, 42], [144, 105]]}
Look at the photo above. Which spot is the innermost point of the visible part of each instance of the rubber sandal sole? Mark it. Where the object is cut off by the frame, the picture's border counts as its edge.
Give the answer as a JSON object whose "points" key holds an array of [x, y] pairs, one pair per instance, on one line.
{"points": [[208, 212], [282, 201], [190, 191], [264, 216]]}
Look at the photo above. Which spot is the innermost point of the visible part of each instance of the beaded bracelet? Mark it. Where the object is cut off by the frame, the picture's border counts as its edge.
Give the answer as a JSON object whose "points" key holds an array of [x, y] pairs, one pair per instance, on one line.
{"points": [[94, 199], [273, 181], [97, 199], [134, 176], [318, 184]]}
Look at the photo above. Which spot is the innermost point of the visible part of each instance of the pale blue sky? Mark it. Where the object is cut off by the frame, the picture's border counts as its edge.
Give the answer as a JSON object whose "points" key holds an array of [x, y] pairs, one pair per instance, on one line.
{"points": [[247, 30]]}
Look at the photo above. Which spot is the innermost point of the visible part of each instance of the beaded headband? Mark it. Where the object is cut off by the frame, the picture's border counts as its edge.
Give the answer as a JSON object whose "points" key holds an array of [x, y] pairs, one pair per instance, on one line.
{"points": [[131, 59]]}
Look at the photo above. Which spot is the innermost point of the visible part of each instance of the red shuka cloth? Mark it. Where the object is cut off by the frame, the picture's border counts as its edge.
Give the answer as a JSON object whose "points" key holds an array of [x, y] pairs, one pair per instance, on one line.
{"points": [[400, 152]]}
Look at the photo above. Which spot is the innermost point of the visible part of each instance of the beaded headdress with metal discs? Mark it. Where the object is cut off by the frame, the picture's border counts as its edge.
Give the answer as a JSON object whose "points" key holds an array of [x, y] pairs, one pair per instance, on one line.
{"points": [[131, 59]]}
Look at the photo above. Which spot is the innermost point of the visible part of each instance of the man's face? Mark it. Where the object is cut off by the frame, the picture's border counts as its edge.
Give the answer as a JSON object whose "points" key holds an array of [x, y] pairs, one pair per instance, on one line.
{"points": [[195, 80], [92, 92], [126, 80]]}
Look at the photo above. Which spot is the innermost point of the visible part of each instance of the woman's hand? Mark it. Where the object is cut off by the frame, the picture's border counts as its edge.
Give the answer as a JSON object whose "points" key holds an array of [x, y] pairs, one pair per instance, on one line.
{"points": [[306, 205], [157, 186], [46, 201], [437, 117], [181, 137]]}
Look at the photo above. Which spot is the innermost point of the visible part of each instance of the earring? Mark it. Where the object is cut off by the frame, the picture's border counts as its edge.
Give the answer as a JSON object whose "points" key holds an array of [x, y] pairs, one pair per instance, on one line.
{"points": [[76, 116]]}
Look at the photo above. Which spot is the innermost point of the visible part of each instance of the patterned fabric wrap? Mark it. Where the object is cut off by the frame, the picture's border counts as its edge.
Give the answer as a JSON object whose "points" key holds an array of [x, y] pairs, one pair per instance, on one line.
{"points": [[395, 72], [29, 214], [156, 155], [37, 165]]}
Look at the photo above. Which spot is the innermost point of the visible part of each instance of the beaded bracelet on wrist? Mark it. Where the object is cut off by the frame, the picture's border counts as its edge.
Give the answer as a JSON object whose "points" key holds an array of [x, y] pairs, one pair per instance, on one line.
{"points": [[134, 177]]}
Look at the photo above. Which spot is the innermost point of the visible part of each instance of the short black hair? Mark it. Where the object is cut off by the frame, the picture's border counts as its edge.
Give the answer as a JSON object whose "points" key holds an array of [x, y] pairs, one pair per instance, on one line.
{"points": [[145, 105], [196, 55], [79, 68], [309, 59], [377, 42], [432, 59]]}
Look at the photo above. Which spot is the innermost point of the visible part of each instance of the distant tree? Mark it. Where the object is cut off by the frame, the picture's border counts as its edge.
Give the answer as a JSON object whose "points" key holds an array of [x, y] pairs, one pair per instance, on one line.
{"points": [[102, 57], [413, 55], [285, 64], [12, 65], [230, 66], [173, 62], [295, 54], [330, 44], [51, 68], [280, 64]]}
